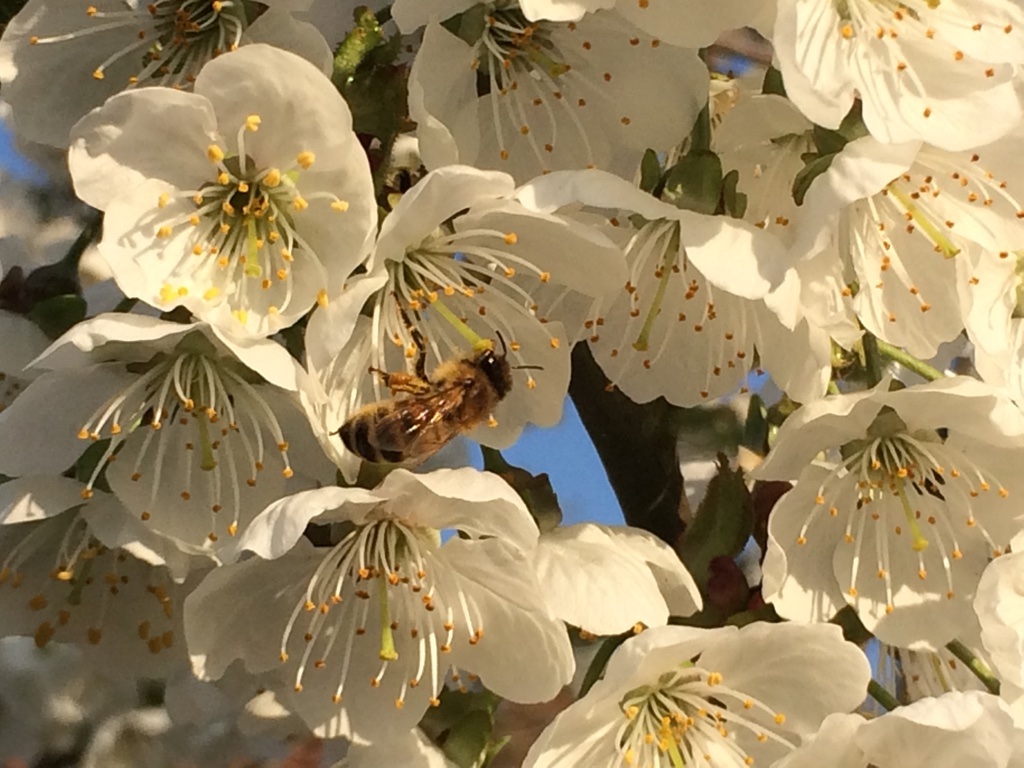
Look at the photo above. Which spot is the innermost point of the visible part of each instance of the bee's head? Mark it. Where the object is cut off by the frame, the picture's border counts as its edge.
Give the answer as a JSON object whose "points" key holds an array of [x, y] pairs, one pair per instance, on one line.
{"points": [[497, 370]]}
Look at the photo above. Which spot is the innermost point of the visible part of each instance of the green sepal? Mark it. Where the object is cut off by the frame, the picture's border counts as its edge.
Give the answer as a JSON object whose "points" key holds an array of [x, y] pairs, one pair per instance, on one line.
{"points": [[650, 171], [58, 314], [695, 182], [722, 525], [535, 490]]}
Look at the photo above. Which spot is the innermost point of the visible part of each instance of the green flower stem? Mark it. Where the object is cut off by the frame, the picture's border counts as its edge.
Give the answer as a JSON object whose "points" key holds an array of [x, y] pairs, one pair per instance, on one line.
{"points": [[911, 363], [976, 665], [872, 359], [882, 696]]}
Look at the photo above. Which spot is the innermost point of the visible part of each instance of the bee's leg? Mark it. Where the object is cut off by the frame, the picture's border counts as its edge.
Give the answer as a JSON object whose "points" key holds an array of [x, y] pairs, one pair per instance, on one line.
{"points": [[402, 382], [418, 340]]}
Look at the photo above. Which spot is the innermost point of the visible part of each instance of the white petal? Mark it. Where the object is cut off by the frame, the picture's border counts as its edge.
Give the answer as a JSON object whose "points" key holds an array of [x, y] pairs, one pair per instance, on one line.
{"points": [[410, 15], [47, 436], [969, 728], [232, 612], [1000, 607], [278, 527], [116, 527], [437, 197], [818, 425], [832, 745], [133, 337], [23, 342], [279, 28], [35, 498], [602, 580], [524, 653], [478, 503], [811, 670], [131, 138]]}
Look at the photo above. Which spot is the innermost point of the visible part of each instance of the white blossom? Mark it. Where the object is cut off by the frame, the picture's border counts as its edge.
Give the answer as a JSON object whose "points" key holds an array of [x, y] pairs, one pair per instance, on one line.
{"points": [[687, 321], [901, 523], [942, 72], [368, 629], [60, 59], [725, 697], [188, 430], [257, 204], [559, 95], [458, 255], [928, 235]]}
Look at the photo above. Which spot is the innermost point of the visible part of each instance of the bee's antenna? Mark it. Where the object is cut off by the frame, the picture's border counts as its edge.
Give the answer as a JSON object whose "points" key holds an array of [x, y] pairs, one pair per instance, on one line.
{"points": [[527, 367], [504, 349]]}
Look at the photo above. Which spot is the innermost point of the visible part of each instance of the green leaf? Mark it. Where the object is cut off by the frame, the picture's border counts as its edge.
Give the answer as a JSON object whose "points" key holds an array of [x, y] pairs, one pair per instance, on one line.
{"points": [[735, 202], [695, 182], [852, 127], [650, 171], [722, 525], [773, 83], [468, 739], [88, 462], [755, 429], [828, 142], [535, 490], [56, 315], [809, 173]]}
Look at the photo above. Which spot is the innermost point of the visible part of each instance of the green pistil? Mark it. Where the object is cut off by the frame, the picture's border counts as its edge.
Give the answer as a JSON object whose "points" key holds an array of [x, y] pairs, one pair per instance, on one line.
{"points": [[75, 598], [208, 461], [554, 68], [674, 754], [643, 340], [944, 244], [387, 638], [920, 542], [478, 341], [252, 266]]}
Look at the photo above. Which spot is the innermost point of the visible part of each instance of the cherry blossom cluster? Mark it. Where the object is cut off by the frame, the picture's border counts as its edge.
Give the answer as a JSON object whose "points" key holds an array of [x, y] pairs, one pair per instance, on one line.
{"points": [[282, 255]]}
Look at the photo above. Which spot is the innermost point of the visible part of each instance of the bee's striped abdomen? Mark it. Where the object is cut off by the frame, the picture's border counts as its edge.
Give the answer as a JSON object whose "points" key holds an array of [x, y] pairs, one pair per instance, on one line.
{"points": [[357, 434]]}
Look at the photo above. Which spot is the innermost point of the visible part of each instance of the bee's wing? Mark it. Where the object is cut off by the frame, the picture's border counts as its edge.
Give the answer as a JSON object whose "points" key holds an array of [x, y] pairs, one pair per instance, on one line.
{"points": [[420, 425]]}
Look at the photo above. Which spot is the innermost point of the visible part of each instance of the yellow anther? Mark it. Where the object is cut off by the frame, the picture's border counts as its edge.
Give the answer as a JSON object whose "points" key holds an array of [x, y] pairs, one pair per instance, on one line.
{"points": [[211, 293], [299, 203], [164, 232], [163, 200], [97, 74], [272, 178], [339, 205], [305, 160], [252, 123], [511, 238], [215, 155], [321, 298], [223, 178]]}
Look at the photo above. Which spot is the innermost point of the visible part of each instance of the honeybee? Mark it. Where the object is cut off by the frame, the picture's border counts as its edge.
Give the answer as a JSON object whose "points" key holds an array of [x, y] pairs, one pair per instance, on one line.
{"points": [[429, 412]]}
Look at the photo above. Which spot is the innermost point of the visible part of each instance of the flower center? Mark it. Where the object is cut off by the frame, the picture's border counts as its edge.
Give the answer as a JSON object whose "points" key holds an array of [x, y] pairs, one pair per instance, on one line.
{"points": [[666, 297], [241, 236], [174, 38], [382, 580], [919, 492], [448, 279], [535, 86], [199, 410], [689, 716], [75, 583]]}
